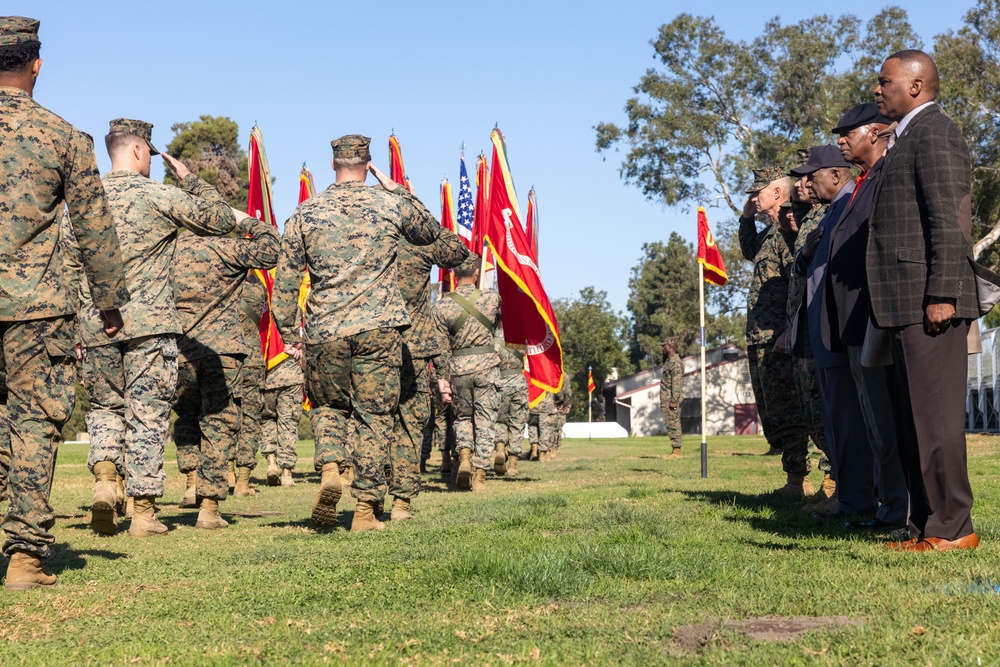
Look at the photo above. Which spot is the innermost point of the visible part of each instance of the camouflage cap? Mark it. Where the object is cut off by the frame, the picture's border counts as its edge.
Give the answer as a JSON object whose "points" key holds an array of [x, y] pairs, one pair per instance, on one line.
{"points": [[764, 177], [352, 145], [136, 128], [470, 264], [17, 29]]}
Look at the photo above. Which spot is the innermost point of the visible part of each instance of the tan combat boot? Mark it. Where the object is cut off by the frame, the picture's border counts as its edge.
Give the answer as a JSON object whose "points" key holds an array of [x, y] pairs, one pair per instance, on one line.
{"points": [[675, 453], [479, 480], [401, 509], [544, 456], [500, 460], [365, 518], [273, 472], [144, 522], [533, 456], [286, 477], [209, 517], [324, 510], [103, 518], [232, 475], [243, 483], [119, 494], [347, 476], [463, 482], [129, 508], [26, 571], [831, 504], [190, 498], [826, 490], [797, 486], [512, 467]]}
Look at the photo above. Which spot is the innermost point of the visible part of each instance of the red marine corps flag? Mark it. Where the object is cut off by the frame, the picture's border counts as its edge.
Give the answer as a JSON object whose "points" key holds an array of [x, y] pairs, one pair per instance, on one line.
{"points": [[528, 320], [448, 222], [708, 253], [259, 206], [396, 171]]}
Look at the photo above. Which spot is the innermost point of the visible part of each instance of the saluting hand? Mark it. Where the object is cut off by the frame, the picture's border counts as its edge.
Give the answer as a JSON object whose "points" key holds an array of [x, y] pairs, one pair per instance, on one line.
{"points": [[176, 166], [386, 182]]}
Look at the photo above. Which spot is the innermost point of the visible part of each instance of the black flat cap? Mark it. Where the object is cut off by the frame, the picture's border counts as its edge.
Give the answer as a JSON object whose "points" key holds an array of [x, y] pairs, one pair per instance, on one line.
{"points": [[821, 157], [863, 114]]}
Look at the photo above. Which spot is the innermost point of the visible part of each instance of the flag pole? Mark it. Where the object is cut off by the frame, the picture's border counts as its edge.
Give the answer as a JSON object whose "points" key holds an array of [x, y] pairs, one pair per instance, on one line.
{"points": [[590, 404], [482, 264], [701, 298]]}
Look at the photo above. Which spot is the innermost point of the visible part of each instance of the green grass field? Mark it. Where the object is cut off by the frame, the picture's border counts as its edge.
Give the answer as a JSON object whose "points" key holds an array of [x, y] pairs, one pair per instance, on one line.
{"points": [[609, 555]]}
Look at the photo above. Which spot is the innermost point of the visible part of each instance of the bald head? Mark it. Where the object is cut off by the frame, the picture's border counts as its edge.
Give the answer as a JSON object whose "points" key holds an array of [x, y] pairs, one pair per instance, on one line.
{"points": [[907, 80]]}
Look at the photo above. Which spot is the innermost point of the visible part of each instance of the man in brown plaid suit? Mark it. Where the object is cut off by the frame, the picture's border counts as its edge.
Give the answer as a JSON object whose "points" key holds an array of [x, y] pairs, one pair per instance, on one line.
{"points": [[923, 291]]}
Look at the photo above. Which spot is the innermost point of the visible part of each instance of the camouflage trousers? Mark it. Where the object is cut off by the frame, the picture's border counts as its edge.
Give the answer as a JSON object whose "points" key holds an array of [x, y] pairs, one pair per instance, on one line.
{"points": [[440, 424], [475, 399], [409, 423], [672, 420], [131, 384], [280, 426], [772, 375], [353, 385], [249, 439], [208, 404], [808, 391], [513, 413], [543, 430], [39, 363]]}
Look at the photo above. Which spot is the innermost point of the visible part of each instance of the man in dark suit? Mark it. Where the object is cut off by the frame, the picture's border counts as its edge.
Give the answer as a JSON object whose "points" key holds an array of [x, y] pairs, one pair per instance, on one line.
{"points": [[922, 290], [862, 140]]}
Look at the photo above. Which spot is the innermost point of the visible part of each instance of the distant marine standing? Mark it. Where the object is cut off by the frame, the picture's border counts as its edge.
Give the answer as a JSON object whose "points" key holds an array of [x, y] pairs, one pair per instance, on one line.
{"points": [[672, 395]]}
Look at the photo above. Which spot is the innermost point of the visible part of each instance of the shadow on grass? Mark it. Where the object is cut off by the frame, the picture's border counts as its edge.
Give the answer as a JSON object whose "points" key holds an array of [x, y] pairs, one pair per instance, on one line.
{"points": [[76, 559]]}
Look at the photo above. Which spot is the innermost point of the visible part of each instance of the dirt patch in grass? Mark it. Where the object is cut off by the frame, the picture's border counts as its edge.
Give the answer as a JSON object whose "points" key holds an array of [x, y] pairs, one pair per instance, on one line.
{"points": [[762, 629]]}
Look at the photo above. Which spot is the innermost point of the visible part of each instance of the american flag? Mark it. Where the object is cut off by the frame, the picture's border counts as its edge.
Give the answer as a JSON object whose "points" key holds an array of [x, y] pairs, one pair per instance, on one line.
{"points": [[465, 207]]}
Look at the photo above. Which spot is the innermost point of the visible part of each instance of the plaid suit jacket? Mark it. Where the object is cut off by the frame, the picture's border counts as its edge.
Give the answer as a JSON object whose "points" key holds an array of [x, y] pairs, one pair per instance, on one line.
{"points": [[919, 243]]}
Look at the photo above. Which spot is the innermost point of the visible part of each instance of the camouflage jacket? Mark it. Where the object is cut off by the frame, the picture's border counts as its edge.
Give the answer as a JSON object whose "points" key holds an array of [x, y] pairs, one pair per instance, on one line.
{"points": [[208, 282], [797, 282], [564, 398], [510, 358], [253, 303], [472, 337], [347, 238], [672, 381], [147, 216], [46, 162], [286, 374], [413, 265], [547, 406], [768, 293]]}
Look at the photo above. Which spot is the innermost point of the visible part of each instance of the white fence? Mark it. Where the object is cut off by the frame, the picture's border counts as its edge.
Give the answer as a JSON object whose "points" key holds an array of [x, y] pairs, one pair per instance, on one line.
{"points": [[982, 398]]}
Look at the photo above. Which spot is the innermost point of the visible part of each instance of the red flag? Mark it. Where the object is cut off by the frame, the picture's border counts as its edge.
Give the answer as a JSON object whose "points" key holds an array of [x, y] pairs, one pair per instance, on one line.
{"points": [[307, 187], [482, 207], [259, 206], [396, 171], [590, 382], [528, 319], [535, 394], [448, 222], [531, 223], [708, 253]]}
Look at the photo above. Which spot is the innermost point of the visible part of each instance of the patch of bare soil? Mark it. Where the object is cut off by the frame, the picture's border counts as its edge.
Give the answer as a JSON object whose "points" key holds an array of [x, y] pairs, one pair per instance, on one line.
{"points": [[762, 629]]}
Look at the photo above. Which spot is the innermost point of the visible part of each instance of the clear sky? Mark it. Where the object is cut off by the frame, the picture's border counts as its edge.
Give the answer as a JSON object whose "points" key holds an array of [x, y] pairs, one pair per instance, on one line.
{"points": [[437, 73]]}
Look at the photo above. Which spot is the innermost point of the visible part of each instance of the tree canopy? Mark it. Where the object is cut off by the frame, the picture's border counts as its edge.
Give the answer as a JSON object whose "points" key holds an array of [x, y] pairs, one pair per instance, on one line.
{"points": [[210, 148]]}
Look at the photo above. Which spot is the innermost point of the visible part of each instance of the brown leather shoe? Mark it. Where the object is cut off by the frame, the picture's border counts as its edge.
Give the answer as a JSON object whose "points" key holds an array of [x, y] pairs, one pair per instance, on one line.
{"points": [[936, 544]]}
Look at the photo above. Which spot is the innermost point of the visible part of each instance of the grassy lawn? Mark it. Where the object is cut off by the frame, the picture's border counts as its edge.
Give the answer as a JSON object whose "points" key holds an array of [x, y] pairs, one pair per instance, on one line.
{"points": [[609, 555]]}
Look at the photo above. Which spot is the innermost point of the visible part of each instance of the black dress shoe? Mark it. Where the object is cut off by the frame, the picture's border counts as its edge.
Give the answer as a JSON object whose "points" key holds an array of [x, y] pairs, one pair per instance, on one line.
{"points": [[873, 524]]}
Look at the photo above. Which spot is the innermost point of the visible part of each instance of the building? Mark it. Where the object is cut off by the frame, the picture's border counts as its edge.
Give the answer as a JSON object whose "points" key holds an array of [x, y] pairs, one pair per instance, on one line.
{"points": [[634, 400]]}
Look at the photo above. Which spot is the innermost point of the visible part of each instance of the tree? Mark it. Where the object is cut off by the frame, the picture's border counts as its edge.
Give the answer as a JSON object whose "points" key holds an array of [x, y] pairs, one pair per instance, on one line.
{"points": [[594, 335], [210, 148]]}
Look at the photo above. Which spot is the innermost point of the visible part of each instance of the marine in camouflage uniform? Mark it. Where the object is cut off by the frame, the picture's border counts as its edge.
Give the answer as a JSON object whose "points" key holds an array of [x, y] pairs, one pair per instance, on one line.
{"points": [[513, 413], [47, 163], [350, 234], [543, 424], [671, 395], [440, 426], [772, 373], [253, 305], [131, 378], [563, 402], [282, 411], [422, 343], [469, 317], [208, 279]]}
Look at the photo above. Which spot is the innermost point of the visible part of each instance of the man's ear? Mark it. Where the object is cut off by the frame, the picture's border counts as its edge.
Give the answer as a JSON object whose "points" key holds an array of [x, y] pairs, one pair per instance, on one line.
{"points": [[916, 85], [36, 67]]}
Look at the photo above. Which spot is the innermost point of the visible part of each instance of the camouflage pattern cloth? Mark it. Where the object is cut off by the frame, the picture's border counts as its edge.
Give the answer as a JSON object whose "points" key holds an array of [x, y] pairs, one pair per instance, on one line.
{"points": [[471, 365], [543, 424], [797, 282], [771, 253], [772, 375], [564, 400], [440, 425], [513, 413], [351, 235], [282, 410], [421, 342], [46, 163], [353, 385], [253, 303], [672, 391], [131, 385]]}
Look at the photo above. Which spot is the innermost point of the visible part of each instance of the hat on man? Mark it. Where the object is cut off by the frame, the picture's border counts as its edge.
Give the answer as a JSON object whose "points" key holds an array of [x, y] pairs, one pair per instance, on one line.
{"points": [[352, 145], [821, 157], [764, 177], [17, 29], [469, 265], [136, 128], [863, 114]]}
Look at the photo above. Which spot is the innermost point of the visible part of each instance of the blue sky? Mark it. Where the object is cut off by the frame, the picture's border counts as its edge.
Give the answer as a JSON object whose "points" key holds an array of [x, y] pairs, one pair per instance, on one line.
{"points": [[439, 74]]}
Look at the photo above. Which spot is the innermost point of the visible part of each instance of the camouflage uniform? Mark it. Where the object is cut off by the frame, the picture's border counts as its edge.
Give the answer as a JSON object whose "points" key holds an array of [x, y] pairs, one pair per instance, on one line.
{"points": [[208, 282], [513, 413], [543, 424], [350, 234], [131, 378], [46, 162], [472, 367], [422, 342], [253, 304], [440, 425], [672, 391], [772, 374], [282, 412], [563, 399]]}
